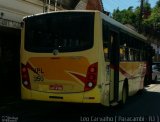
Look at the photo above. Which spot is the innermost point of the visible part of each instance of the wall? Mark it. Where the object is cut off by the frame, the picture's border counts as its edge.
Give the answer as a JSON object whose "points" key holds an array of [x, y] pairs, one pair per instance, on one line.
{"points": [[16, 9]]}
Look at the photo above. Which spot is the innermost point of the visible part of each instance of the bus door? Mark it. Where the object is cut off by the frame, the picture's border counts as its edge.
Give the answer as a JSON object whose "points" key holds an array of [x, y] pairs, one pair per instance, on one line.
{"points": [[114, 64]]}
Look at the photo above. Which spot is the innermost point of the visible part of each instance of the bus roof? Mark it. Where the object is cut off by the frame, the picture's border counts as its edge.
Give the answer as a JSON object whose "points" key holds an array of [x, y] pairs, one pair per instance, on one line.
{"points": [[106, 18], [59, 12], [122, 27]]}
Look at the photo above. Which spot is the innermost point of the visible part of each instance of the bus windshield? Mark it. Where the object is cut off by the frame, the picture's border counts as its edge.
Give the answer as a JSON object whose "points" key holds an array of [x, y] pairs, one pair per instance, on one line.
{"points": [[65, 32]]}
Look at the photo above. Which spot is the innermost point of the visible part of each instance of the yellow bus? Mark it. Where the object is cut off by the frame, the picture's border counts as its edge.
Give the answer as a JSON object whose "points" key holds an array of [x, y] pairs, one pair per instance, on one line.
{"points": [[82, 57]]}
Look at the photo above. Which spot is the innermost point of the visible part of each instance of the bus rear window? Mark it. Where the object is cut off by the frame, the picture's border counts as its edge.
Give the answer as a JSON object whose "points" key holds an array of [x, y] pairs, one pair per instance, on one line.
{"points": [[65, 32]]}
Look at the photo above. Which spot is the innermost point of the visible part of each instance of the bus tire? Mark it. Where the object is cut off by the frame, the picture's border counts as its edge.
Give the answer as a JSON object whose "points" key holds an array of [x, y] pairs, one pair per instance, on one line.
{"points": [[124, 93]]}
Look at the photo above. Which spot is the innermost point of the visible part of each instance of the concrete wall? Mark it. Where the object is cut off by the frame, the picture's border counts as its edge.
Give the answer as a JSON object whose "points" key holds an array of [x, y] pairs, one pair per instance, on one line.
{"points": [[16, 9], [11, 14]]}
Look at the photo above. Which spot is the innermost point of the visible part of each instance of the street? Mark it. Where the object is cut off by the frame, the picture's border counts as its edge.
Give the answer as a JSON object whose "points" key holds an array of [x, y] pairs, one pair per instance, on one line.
{"points": [[141, 107]]}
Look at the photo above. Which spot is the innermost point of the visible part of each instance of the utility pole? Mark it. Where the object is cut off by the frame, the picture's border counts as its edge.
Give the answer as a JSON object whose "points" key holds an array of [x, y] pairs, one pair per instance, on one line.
{"points": [[140, 17]]}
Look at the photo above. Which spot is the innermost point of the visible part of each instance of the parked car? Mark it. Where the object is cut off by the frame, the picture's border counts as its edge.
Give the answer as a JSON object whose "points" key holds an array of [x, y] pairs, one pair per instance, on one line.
{"points": [[156, 71]]}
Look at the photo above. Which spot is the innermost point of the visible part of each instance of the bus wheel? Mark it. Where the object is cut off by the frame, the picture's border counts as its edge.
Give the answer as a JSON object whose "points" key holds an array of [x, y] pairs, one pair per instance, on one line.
{"points": [[124, 94]]}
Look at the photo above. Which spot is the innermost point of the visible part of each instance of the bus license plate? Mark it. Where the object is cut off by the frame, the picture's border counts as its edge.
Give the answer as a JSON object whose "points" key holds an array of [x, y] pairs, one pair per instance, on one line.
{"points": [[56, 87]]}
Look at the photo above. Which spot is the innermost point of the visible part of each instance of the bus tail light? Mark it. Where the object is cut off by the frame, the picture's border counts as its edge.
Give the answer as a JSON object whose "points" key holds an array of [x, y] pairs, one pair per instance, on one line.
{"points": [[25, 76], [91, 78]]}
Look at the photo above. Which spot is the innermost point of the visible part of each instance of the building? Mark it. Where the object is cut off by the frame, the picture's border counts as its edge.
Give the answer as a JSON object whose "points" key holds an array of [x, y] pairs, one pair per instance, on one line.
{"points": [[11, 16]]}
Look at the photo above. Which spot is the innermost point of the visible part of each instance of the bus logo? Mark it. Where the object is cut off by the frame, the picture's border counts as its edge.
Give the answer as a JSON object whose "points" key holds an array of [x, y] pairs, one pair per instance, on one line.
{"points": [[55, 52]]}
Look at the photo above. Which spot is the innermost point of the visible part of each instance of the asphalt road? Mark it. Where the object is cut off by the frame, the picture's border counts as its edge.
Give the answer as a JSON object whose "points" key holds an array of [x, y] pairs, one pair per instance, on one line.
{"points": [[142, 107]]}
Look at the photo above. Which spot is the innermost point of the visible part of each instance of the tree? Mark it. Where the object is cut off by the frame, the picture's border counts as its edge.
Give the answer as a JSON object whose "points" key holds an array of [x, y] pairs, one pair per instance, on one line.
{"points": [[152, 23], [146, 9], [125, 16], [150, 18]]}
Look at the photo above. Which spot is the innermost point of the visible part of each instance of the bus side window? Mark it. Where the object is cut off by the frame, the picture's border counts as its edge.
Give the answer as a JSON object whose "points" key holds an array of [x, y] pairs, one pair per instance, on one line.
{"points": [[141, 59], [131, 56], [137, 55], [106, 43], [122, 54], [144, 55], [126, 54], [106, 54]]}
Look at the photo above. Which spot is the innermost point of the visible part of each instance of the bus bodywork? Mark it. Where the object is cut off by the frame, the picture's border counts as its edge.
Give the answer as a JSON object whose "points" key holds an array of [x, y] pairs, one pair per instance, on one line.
{"points": [[63, 59]]}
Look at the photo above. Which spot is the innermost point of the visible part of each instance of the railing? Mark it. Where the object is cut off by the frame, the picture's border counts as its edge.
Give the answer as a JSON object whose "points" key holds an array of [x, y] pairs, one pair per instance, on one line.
{"points": [[10, 23]]}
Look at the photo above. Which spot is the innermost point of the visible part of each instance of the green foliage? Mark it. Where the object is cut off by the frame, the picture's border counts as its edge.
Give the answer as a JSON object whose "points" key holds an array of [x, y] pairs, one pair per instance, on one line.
{"points": [[158, 3], [153, 21], [124, 16], [150, 18]]}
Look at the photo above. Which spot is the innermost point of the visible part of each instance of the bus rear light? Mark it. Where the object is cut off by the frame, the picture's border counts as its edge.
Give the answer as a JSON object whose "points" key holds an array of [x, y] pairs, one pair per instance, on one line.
{"points": [[90, 84], [92, 69], [91, 78], [26, 83], [25, 77], [24, 69]]}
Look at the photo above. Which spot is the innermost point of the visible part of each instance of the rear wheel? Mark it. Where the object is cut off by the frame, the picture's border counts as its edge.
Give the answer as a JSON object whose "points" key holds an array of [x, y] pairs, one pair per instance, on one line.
{"points": [[124, 94]]}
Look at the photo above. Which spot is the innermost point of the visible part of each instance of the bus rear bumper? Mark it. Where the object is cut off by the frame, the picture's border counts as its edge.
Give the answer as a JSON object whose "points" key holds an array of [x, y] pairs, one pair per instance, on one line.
{"points": [[92, 96]]}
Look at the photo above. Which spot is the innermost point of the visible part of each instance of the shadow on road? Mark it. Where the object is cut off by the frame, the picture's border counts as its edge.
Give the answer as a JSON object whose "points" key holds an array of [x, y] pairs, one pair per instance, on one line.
{"points": [[144, 104]]}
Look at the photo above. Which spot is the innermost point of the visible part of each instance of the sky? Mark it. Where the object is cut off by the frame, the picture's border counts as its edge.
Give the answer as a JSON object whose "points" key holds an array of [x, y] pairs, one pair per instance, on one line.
{"points": [[110, 5]]}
